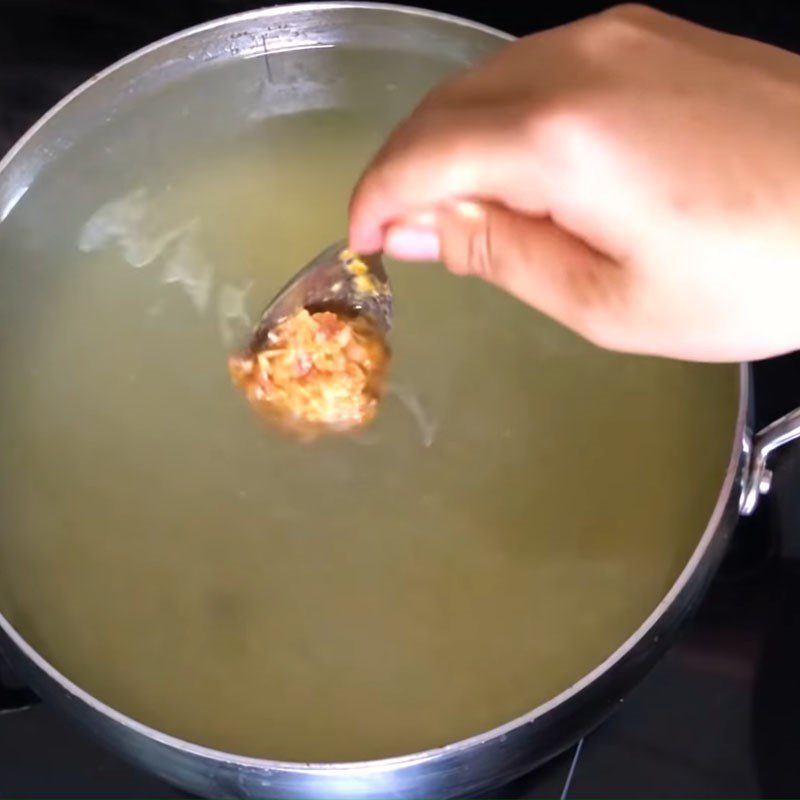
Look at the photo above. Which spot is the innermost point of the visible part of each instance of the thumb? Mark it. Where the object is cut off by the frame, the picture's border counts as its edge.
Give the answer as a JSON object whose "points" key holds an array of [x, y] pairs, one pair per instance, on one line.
{"points": [[529, 257]]}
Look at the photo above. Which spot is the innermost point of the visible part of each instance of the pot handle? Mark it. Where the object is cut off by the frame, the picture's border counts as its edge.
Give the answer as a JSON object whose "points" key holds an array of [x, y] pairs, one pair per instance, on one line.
{"points": [[757, 478], [15, 699]]}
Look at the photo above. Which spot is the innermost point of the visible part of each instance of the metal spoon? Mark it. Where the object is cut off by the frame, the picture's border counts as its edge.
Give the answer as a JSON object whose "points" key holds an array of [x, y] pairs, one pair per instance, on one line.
{"points": [[336, 280]]}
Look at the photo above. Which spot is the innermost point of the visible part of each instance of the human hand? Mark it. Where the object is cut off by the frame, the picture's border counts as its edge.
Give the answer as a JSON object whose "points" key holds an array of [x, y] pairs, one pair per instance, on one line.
{"points": [[633, 175]]}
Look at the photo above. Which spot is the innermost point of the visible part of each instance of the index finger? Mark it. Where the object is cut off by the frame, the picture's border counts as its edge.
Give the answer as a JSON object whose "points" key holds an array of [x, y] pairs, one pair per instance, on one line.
{"points": [[439, 155]]}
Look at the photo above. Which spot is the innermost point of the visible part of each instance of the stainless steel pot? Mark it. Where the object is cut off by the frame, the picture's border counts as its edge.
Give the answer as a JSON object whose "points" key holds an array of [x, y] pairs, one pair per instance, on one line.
{"points": [[465, 767]]}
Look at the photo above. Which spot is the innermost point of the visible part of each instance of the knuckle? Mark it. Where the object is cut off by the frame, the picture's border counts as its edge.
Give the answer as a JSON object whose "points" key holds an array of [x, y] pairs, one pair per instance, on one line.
{"points": [[479, 251], [630, 11], [626, 19], [605, 35], [468, 243]]}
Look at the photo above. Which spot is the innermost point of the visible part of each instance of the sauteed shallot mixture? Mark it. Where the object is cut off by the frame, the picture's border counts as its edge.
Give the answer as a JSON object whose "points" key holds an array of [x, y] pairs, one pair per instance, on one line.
{"points": [[320, 373]]}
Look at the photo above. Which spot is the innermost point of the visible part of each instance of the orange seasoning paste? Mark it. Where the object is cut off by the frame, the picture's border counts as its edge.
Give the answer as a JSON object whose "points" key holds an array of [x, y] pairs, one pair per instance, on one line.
{"points": [[319, 373]]}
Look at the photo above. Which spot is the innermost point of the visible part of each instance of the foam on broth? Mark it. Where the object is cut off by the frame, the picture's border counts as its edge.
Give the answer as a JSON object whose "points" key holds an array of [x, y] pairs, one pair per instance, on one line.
{"points": [[522, 504]]}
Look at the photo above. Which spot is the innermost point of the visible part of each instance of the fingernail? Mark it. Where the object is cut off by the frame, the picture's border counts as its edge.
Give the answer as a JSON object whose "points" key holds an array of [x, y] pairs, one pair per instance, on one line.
{"points": [[409, 243]]}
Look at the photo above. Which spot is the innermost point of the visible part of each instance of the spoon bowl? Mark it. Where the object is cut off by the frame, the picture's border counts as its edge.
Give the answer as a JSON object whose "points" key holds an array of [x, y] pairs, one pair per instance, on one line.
{"points": [[336, 280]]}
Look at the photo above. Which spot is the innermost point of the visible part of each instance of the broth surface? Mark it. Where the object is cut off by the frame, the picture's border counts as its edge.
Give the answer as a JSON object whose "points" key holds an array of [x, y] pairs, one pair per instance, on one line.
{"points": [[522, 503]]}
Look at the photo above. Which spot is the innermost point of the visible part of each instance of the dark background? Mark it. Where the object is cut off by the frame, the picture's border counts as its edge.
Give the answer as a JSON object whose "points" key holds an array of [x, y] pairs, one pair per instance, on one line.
{"points": [[77, 37], [720, 715]]}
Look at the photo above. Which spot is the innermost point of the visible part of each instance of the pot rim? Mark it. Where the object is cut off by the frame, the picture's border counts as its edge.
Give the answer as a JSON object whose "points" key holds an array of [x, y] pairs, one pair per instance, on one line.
{"points": [[392, 762]]}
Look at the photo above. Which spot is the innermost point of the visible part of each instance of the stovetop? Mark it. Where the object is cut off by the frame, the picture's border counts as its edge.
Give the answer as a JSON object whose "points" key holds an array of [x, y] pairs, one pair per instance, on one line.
{"points": [[719, 716]]}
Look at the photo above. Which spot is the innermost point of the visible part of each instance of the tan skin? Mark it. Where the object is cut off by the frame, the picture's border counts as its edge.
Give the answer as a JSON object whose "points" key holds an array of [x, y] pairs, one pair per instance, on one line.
{"points": [[633, 175]]}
